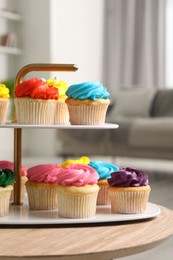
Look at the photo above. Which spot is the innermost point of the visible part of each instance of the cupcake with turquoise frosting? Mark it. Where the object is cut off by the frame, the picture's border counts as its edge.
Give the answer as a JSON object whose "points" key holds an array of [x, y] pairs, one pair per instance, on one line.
{"points": [[61, 114], [104, 170], [6, 187], [4, 102], [87, 103]]}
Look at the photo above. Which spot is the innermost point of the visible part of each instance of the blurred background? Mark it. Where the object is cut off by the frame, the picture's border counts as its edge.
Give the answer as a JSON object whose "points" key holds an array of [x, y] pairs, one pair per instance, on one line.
{"points": [[116, 42]]}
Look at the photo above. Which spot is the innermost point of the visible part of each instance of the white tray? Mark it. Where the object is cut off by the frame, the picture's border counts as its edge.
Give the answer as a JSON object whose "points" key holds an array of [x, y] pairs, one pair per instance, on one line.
{"points": [[21, 215], [104, 126]]}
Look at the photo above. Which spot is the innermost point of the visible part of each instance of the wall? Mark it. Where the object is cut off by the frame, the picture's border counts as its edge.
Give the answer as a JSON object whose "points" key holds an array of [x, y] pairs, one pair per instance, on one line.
{"points": [[66, 32]]}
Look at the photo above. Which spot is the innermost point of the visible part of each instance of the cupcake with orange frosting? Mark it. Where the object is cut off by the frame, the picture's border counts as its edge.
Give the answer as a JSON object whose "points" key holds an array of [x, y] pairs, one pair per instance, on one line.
{"points": [[4, 102], [6, 180], [104, 170], [129, 191], [61, 114], [87, 103], [77, 191], [42, 186], [10, 165], [35, 102]]}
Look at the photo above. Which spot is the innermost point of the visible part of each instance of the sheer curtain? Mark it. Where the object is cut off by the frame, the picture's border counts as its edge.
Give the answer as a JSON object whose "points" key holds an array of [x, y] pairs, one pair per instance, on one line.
{"points": [[134, 43]]}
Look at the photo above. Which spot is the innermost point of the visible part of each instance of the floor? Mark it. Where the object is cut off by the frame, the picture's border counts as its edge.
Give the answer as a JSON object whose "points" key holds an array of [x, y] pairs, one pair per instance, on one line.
{"points": [[161, 182]]}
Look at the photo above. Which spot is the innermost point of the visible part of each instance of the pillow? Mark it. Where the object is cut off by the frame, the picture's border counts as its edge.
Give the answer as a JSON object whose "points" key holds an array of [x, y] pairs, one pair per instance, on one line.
{"points": [[163, 103], [133, 102]]}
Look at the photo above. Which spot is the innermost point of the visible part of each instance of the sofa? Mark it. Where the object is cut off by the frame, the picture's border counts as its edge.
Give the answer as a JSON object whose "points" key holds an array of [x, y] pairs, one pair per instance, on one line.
{"points": [[145, 119]]}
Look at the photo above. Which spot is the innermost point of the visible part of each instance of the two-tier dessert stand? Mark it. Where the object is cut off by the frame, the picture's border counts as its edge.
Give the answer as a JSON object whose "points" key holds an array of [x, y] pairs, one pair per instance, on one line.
{"points": [[105, 236], [22, 215]]}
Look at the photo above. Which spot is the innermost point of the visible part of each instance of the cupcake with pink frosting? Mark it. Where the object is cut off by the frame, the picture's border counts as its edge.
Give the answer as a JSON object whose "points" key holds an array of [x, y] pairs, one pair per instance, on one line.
{"points": [[77, 191], [42, 186], [10, 165]]}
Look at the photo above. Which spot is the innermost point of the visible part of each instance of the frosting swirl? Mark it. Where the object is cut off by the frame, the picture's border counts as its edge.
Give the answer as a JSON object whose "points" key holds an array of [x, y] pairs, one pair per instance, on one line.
{"points": [[6, 177], [46, 173], [128, 177], [87, 90], [81, 160], [4, 91], [60, 85], [10, 165], [36, 88], [77, 175], [104, 169]]}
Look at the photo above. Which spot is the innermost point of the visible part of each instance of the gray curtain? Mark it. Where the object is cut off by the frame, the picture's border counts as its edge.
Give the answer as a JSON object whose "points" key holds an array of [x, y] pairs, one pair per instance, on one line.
{"points": [[134, 43]]}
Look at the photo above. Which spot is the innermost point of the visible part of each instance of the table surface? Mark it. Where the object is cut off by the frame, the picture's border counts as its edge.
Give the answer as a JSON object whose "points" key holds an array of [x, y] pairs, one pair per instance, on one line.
{"points": [[106, 241]]}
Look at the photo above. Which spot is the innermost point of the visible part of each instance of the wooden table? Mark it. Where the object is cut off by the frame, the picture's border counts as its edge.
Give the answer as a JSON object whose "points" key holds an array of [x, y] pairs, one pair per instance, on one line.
{"points": [[88, 242]]}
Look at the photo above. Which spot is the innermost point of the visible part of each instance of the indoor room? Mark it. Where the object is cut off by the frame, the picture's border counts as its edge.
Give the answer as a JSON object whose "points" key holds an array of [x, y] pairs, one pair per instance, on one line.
{"points": [[126, 45]]}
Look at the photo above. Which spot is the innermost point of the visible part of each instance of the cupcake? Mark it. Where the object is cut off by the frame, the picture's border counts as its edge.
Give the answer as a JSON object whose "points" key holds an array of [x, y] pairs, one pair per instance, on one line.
{"points": [[129, 191], [6, 187], [35, 102], [61, 114], [41, 186], [4, 102], [77, 191], [87, 103], [81, 160], [104, 170], [10, 165]]}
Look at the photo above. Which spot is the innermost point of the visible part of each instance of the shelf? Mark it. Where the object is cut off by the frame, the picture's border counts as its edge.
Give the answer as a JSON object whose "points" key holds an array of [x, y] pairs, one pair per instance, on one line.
{"points": [[10, 15], [24, 216], [10, 50], [104, 126]]}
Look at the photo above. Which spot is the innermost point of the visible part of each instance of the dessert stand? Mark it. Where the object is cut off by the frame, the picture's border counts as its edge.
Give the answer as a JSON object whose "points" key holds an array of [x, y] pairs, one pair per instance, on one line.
{"points": [[106, 235]]}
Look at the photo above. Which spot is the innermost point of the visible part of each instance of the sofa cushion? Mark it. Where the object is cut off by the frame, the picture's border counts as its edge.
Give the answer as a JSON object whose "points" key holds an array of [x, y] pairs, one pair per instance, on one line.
{"points": [[151, 133], [163, 103], [132, 102]]}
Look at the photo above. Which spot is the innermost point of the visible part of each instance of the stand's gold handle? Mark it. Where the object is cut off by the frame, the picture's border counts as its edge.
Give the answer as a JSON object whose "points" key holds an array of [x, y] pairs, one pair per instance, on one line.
{"points": [[18, 131], [43, 67]]}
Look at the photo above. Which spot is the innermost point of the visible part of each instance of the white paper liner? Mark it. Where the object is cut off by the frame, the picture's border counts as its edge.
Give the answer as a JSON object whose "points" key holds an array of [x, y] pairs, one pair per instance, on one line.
{"points": [[34, 112], [61, 114], [87, 115], [3, 110], [5, 194], [129, 202], [42, 199], [103, 196], [70, 206]]}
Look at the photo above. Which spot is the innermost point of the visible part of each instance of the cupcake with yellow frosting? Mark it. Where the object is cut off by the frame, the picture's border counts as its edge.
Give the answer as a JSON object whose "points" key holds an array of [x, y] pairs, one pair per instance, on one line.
{"points": [[81, 160], [87, 103], [6, 181], [4, 102], [61, 114], [77, 191], [129, 191]]}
